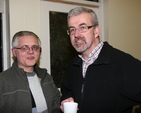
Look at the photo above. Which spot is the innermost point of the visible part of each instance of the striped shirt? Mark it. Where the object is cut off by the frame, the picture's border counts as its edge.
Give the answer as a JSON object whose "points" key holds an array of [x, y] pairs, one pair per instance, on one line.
{"points": [[92, 57]]}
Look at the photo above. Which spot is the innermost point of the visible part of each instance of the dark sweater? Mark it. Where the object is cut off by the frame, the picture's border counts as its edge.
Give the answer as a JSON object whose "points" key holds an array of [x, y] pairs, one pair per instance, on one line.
{"points": [[112, 83]]}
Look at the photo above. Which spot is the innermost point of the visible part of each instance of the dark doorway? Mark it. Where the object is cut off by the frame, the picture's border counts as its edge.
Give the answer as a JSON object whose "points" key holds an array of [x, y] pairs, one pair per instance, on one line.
{"points": [[60, 47]]}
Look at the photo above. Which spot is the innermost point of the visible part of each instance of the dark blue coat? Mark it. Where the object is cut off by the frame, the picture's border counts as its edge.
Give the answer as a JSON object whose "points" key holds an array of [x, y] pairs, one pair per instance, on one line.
{"points": [[112, 82]]}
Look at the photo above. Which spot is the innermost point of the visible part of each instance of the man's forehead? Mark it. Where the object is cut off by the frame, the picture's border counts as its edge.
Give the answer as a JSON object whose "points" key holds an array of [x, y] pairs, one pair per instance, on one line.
{"points": [[27, 39], [79, 20]]}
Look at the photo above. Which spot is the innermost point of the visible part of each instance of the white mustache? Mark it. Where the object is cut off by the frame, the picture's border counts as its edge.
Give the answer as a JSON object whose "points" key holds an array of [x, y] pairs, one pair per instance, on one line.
{"points": [[31, 55], [79, 39]]}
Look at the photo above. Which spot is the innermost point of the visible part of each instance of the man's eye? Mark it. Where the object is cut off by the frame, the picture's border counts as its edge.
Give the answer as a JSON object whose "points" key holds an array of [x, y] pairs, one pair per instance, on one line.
{"points": [[72, 30], [24, 48], [35, 47], [82, 27]]}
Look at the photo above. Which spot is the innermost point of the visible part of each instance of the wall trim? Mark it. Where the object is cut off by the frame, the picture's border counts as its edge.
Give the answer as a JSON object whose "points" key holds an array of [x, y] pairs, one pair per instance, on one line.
{"points": [[79, 3]]}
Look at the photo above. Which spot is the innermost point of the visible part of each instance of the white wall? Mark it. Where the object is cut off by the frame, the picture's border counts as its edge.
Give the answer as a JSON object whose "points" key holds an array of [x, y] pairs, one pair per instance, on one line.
{"points": [[125, 25], [24, 15]]}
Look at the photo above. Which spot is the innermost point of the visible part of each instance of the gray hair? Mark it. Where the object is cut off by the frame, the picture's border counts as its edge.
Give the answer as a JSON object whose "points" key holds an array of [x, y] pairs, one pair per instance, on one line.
{"points": [[21, 34], [78, 10]]}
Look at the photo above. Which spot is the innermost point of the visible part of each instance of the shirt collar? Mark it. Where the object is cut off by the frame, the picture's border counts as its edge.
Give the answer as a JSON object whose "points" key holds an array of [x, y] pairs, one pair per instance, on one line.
{"points": [[95, 52]]}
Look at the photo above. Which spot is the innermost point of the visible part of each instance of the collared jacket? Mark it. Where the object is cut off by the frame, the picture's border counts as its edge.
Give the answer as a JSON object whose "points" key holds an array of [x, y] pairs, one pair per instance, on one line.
{"points": [[112, 83], [15, 94]]}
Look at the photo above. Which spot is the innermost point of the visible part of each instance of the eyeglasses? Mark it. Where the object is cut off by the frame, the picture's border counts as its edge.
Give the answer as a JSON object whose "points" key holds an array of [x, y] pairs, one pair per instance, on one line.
{"points": [[81, 29], [25, 48]]}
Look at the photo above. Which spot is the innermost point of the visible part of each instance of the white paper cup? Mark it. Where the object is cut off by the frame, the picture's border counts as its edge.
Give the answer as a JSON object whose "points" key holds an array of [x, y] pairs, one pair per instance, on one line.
{"points": [[70, 107]]}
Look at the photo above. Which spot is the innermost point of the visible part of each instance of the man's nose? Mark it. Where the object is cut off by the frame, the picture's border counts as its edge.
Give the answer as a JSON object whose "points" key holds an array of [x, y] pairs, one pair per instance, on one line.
{"points": [[31, 50], [77, 33]]}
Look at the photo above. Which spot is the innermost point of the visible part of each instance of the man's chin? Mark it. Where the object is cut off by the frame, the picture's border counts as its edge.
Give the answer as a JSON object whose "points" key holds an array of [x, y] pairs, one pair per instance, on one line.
{"points": [[79, 50], [31, 64]]}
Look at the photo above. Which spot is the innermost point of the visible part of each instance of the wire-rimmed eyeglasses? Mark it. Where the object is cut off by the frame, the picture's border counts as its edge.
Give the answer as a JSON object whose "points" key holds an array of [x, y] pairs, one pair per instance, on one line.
{"points": [[81, 29], [25, 48]]}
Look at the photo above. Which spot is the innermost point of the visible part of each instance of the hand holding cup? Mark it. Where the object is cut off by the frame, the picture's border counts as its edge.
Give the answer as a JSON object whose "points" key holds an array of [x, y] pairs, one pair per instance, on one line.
{"points": [[70, 107]]}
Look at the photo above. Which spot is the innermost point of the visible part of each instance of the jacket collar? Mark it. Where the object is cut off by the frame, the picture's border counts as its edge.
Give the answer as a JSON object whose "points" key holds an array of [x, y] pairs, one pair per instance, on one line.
{"points": [[105, 54], [39, 71], [103, 58]]}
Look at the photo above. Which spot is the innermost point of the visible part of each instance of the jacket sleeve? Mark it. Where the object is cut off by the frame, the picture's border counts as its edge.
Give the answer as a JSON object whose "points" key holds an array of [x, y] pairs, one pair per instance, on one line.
{"points": [[131, 78], [66, 87], [56, 103]]}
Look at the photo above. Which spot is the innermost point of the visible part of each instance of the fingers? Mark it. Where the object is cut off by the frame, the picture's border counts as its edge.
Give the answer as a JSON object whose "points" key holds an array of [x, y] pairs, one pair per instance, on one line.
{"points": [[70, 99], [66, 100]]}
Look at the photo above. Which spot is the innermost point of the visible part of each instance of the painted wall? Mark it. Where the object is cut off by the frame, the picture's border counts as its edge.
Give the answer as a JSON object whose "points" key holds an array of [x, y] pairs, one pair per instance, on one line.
{"points": [[24, 15], [125, 25], [124, 22]]}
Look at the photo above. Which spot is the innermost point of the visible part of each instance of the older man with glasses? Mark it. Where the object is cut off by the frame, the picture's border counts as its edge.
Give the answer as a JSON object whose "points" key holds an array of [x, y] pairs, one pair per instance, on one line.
{"points": [[101, 78], [25, 87]]}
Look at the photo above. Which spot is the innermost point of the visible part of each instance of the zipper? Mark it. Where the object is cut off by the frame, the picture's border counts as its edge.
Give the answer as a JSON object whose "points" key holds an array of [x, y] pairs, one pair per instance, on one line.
{"points": [[82, 89]]}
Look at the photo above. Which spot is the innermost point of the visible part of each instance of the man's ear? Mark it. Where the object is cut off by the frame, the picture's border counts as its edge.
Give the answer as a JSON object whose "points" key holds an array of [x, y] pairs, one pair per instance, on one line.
{"points": [[40, 50], [13, 52], [96, 31]]}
